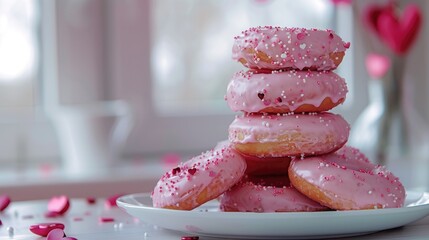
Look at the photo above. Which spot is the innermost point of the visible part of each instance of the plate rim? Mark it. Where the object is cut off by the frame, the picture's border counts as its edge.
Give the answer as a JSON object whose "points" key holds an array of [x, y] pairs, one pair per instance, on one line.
{"points": [[197, 210], [412, 212]]}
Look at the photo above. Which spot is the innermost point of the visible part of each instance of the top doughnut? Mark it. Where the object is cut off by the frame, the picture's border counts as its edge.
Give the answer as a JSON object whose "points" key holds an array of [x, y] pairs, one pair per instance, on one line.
{"points": [[276, 48]]}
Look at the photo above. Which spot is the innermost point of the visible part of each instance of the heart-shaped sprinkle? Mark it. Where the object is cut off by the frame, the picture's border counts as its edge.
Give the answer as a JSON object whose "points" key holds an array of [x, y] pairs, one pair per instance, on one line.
{"points": [[261, 96], [59, 204], [111, 201], [175, 170], [55, 234], [43, 229], [302, 45], [192, 171], [4, 202], [347, 45]]}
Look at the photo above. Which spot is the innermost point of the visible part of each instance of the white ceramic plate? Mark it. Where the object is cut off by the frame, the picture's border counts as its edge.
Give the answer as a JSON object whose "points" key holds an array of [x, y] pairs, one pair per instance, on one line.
{"points": [[207, 220]]}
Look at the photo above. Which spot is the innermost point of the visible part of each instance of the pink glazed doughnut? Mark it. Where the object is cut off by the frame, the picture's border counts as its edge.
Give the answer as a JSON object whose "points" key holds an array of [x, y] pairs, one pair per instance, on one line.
{"points": [[199, 180], [285, 91], [269, 194], [289, 48], [346, 180], [283, 135]]}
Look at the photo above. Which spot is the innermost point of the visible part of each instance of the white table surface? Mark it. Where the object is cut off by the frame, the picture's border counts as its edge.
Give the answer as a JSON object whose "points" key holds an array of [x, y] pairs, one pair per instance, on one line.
{"points": [[82, 221]]}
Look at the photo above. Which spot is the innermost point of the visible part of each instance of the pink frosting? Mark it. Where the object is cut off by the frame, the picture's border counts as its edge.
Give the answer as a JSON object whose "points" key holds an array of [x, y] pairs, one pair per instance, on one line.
{"points": [[348, 176], [296, 48], [318, 132], [269, 196], [214, 171], [254, 92]]}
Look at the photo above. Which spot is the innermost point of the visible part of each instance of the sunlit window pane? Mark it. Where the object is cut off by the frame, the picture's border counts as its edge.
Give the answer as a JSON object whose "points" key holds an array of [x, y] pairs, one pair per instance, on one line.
{"points": [[17, 52], [192, 41]]}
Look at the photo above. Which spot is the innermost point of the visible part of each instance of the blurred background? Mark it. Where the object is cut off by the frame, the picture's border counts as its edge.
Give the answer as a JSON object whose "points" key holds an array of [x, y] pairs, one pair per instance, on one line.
{"points": [[104, 91]]}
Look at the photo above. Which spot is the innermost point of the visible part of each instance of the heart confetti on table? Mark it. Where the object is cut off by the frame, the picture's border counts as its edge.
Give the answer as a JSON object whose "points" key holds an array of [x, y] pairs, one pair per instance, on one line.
{"points": [[111, 201], [4, 202], [59, 204], [58, 234], [43, 229]]}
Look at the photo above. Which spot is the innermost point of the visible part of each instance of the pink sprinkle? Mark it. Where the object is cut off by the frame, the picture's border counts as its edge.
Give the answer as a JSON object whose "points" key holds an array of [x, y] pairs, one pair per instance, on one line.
{"points": [[91, 200], [106, 219], [300, 36], [4, 202], [190, 238], [212, 174], [267, 102]]}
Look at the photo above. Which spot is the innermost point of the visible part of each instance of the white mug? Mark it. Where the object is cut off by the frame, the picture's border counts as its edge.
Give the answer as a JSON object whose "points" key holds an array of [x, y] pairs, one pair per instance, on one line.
{"points": [[92, 136]]}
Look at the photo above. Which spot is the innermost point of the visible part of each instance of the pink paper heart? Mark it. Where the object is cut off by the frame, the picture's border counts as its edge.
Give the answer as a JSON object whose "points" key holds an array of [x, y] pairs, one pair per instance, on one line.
{"points": [[111, 201], [59, 204], [4, 202], [377, 65], [43, 229], [399, 33], [55, 234]]}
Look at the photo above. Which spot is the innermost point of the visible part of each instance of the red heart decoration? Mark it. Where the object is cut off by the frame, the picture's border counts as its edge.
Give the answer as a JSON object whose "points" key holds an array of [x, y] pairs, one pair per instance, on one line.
{"points": [[43, 229], [4, 202], [399, 33], [371, 14], [59, 204]]}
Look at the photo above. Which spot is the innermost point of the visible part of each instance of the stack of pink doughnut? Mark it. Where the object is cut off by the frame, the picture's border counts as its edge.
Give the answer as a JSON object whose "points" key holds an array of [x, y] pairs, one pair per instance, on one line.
{"points": [[286, 152]]}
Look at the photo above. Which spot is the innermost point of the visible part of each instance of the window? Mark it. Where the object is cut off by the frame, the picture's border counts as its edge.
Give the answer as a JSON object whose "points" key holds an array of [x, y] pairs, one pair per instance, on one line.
{"points": [[18, 54], [191, 48], [171, 60]]}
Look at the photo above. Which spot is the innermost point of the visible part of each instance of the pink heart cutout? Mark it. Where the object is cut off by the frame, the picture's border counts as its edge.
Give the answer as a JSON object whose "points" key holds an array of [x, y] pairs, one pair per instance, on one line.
{"points": [[59, 204], [377, 65], [43, 229], [55, 234], [399, 33], [110, 202], [4, 202]]}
